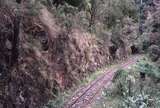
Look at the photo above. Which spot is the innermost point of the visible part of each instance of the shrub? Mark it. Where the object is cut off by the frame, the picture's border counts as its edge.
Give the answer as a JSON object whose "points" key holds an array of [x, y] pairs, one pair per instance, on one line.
{"points": [[117, 10], [121, 80], [32, 8], [57, 103], [154, 52], [137, 101], [148, 68]]}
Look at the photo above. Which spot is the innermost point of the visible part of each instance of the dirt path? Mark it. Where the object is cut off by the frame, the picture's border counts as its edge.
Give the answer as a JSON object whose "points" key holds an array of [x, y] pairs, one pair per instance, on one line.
{"points": [[86, 95]]}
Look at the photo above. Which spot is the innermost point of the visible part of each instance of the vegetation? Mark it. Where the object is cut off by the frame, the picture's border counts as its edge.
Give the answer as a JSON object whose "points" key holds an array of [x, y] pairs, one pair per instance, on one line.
{"points": [[148, 68], [49, 46], [130, 91]]}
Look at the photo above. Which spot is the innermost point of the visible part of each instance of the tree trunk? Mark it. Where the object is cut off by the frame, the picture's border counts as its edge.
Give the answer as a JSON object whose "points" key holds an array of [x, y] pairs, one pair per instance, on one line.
{"points": [[15, 42], [92, 13]]}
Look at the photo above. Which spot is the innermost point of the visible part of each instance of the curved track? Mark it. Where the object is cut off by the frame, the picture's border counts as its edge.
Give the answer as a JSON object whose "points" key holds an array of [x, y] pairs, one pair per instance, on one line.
{"points": [[86, 95]]}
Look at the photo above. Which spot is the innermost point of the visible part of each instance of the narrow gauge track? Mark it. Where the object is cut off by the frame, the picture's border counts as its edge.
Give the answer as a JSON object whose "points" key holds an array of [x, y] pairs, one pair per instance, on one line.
{"points": [[85, 96]]}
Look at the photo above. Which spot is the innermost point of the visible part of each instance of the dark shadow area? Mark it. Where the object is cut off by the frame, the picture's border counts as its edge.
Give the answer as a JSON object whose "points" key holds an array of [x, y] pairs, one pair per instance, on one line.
{"points": [[19, 1], [134, 49], [112, 50]]}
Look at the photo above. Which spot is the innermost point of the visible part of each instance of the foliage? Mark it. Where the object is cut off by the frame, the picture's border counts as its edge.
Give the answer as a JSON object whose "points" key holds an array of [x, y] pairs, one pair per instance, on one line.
{"points": [[130, 91], [145, 45], [123, 82], [65, 13], [59, 100], [32, 8], [149, 68], [89, 13], [154, 52], [58, 103], [120, 74], [138, 101], [117, 10]]}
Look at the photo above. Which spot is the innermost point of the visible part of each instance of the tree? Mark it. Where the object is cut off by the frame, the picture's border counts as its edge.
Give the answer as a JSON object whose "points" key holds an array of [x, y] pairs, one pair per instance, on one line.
{"points": [[15, 41], [93, 11]]}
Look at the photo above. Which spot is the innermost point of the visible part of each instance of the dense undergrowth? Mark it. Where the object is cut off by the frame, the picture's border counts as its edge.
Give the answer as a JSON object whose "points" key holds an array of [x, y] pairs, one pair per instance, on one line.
{"points": [[130, 90], [138, 87], [62, 98]]}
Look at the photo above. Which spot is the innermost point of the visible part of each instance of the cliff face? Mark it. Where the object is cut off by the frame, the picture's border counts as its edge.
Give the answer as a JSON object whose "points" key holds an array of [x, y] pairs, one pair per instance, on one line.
{"points": [[52, 59]]}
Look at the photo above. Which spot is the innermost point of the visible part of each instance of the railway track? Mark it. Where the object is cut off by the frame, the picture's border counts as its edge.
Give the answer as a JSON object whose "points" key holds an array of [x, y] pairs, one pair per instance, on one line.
{"points": [[86, 95]]}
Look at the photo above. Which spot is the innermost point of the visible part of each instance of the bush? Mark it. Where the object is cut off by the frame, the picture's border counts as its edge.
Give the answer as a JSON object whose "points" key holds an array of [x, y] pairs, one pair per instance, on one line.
{"points": [[32, 8], [122, 82], [57, 103], [148, 68], [117, 10], [154, 52], [137, 101]]}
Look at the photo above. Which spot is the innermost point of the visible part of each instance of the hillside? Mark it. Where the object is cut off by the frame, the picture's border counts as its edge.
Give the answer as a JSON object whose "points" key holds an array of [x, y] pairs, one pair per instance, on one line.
{"points": [[48, 47]]}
